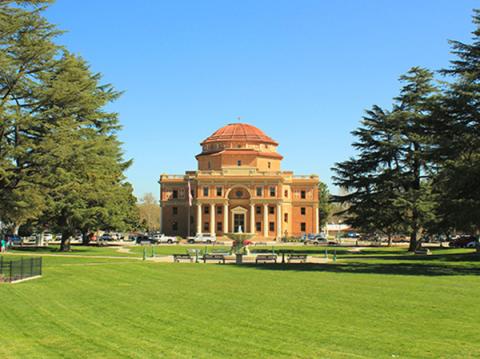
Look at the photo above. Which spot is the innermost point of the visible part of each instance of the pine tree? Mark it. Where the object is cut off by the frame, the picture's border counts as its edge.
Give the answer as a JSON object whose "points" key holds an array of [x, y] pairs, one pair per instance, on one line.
{"points": [[83, 175], [369, 179], [389, 180], [61, 163], [27, 52], [458, 138]]}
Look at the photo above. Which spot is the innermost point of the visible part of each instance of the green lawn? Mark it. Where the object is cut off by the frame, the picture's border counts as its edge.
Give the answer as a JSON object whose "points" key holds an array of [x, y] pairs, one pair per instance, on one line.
{"points": [[380, 303]]}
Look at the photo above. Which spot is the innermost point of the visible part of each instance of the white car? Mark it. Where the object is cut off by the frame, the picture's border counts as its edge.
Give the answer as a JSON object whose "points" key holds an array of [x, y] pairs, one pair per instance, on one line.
{"points": [[162, 238], [202, 238], [47, 236]]}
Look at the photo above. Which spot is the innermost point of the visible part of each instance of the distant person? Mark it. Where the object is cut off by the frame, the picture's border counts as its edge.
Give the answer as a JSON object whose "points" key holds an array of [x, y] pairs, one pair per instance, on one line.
{"points": [[4, 245]]}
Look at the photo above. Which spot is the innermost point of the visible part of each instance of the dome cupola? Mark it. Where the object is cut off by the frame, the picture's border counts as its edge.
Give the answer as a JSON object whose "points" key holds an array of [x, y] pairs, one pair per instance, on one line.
{"points": [[239, 145]]}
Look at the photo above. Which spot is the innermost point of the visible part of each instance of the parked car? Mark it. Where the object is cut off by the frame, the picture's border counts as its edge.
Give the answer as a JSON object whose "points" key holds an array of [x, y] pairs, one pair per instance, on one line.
{"points": [[16, 239], [308, 236], [202, 238], [162, 238], [317, 239], [47, 237], [106, 237], [352, 235], [463, 242], [143, 239]]}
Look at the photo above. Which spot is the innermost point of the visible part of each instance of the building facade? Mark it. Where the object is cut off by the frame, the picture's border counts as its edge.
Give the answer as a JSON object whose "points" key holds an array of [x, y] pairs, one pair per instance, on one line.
{"points": [[239, 186]]}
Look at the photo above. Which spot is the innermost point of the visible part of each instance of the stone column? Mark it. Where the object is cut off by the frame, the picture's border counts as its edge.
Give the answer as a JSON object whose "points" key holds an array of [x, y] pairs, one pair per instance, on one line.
{"points": [[265, 220], [161, 213], [199, 218], [225, 218], [252, 218], [279, 221], [317, 220], [212, 219], [161, 217]]}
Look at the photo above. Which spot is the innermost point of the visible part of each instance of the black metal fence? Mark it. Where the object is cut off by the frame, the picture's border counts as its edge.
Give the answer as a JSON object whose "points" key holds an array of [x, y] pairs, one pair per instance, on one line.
{"points": [[12, 270]]}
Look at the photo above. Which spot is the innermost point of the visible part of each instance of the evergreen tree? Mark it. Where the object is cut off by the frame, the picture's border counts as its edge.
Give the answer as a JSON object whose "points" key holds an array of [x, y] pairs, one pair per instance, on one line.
{"points": [[84, 170], [27, 52], [389, 181], [458, 138], [369, 179], [60, 159]]}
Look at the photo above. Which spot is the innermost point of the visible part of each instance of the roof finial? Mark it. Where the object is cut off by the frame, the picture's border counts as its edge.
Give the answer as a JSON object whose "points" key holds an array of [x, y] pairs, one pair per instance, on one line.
{"points": [[239, 118]]}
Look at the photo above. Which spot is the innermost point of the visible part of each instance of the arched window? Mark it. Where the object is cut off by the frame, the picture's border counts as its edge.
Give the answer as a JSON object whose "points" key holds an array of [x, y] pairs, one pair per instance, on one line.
{"points": [[239, 163]]}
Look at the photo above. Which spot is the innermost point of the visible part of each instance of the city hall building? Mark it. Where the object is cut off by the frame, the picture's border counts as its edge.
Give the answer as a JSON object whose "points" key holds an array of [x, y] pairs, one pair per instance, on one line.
{"points": [[239, 186]]}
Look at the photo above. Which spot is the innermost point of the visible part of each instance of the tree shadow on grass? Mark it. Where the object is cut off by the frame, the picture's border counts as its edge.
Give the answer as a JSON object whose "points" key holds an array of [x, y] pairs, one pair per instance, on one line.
{"points": [[77, 248], [443, 257], [416, 269]]}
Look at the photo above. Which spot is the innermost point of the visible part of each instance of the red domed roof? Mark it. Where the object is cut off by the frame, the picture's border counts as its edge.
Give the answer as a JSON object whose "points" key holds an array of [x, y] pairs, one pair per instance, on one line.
{"points": [[239, 132]]}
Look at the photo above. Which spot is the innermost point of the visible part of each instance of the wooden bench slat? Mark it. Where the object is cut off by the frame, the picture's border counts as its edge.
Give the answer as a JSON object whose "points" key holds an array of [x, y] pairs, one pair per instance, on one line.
{"points": [[266, 257]]}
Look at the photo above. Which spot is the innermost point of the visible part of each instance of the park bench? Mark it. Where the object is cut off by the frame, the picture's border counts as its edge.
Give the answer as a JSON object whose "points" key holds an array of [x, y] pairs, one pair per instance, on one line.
{"points": [[423, 251], [220, 251], [266, 258], [213, 257], [296, 257], [183, 256]]}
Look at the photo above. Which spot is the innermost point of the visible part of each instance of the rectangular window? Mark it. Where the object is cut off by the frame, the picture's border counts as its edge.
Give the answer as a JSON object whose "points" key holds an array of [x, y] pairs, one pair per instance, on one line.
{"points": [[271, 210], [303, 194], [219, 226], [174, 194], [219, 191], [174, 226], [269, 164], [259, 191], [206, 227], [303, 227], [239, 163], [206, 209], [303, 211], [272, 191], [285, 217], [205, 191], [219, 210], [258, 210], [286, 193], [271, 226], [174, 211], [258, 226]]}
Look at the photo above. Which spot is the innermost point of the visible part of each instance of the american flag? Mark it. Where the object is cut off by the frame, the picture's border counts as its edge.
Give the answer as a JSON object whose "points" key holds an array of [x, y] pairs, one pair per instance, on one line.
{"points": [[190, 198]]}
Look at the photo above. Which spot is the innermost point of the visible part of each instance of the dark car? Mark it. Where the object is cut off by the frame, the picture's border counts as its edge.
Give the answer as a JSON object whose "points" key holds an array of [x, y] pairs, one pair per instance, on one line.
{"points": [[144, 240], [16, 239], [353, 235], [463, 242], [106, 237]]}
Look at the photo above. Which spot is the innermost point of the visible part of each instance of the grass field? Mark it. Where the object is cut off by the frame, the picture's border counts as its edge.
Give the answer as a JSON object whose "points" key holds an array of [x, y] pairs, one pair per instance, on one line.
{"points": [[380, 303]]}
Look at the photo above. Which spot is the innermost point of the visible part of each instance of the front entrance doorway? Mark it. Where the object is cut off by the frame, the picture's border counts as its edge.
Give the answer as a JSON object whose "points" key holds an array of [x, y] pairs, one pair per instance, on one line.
{"points": [[238, 222]]}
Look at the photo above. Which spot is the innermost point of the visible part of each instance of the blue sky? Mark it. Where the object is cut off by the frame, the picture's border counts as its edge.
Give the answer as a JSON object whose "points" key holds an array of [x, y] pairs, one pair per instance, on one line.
{"points": [[302, 71]]}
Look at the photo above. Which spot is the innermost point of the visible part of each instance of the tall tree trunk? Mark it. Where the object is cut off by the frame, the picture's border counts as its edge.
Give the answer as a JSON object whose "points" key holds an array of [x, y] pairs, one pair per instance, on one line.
{"points": [[477, 242], [413, 242], [389, 240], [85, 238], [65, 242]]}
